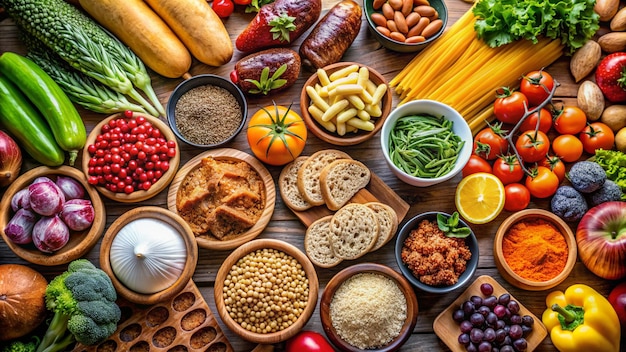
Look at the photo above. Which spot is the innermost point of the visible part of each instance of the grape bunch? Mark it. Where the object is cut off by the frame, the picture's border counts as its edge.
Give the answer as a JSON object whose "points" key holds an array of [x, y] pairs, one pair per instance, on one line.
{"points": [[492, 324]]}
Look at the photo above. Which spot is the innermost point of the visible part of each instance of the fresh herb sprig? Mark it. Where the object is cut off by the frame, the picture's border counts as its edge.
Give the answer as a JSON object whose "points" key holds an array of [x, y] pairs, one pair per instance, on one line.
{"points": [[266, 83], [450, 226]]}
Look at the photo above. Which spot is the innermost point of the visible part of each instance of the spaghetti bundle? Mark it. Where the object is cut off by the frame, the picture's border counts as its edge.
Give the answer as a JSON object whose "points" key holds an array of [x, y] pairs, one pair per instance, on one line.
{"points": [[464, 72]]}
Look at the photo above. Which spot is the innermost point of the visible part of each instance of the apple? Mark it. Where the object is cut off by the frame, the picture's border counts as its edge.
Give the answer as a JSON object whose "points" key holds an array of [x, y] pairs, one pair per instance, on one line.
{"points": [[601, 240], [617, 297]]}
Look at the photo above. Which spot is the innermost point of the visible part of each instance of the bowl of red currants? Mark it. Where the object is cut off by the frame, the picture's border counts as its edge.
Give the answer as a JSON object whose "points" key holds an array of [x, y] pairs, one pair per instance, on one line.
{"points": [[485, 317], [130, 157]]}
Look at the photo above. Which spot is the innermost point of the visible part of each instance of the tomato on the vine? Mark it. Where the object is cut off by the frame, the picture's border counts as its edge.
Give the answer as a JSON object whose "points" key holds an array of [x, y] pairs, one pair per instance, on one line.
{"points": [[508, 169], [223, 8], [475, 164], [510, 105], [542, 182], [276, 134], [569, 119], [555, 164], [532, 146], [543, 116], [597, 135], [536, 86], [567, 147], [490, 142], [517, 197]]}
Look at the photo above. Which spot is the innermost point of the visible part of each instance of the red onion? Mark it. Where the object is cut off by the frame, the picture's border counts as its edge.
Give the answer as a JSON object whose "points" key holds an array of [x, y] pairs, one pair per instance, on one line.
{"points": [[20, 228], [10, 159], [21, 199], [71, 188], [50, 234], [46, 198], [78, 214]]}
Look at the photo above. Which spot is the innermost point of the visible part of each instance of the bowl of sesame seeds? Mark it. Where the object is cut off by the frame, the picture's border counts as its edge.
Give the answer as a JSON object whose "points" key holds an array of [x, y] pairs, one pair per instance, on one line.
{"points": [[206, 111]]}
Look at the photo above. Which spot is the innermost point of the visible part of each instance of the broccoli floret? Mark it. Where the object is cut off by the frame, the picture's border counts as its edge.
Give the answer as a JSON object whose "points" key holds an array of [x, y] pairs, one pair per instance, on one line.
{"points": [[21, 345], [83, 302], [609, 191], [586, 176], [568, 204]]}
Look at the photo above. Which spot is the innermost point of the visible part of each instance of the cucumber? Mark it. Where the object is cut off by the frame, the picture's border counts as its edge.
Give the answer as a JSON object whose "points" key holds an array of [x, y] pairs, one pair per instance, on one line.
{"points": [[20, 118], [66, 124]]}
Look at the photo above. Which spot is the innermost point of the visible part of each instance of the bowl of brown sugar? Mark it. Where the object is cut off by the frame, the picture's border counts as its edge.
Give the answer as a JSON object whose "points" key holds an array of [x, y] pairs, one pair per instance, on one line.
{"points": [[534, 250], [206, 111]]}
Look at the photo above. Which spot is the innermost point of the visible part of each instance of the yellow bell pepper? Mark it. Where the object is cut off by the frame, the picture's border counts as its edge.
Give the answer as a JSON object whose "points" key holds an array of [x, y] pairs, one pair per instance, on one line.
{"points": [[581, 319]]}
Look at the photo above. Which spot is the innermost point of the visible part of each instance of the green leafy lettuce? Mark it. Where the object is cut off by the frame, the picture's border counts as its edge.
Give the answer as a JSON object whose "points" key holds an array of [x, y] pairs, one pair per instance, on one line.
{"points": [[614, 163], [501, 22]]}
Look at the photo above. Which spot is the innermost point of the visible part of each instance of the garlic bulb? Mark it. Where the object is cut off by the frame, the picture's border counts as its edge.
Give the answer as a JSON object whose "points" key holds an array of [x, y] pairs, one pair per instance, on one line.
{"points": [[148, 255]]}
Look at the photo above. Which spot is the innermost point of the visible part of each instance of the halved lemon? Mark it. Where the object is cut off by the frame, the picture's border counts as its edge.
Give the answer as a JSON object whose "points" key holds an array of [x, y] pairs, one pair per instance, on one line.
{"points": [[479, 197]]}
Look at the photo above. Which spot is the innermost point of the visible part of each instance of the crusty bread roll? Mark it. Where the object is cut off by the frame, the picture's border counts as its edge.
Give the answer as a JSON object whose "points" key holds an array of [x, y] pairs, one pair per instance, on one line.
{"points": [[317, 244], [341, 180], [288, 185]]}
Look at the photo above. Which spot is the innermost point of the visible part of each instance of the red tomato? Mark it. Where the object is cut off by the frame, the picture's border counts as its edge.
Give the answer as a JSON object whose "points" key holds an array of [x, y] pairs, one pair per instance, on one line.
{"points": [[517, 197], [597, 135], [308, 341], [508, 169], [536, 86], [555, 164], [569, 120], [545, 121], [509, 106], [242, 2], [223, 8], [532, 146], [567, 147], [476, 164], [542, 183], [489, 142]]}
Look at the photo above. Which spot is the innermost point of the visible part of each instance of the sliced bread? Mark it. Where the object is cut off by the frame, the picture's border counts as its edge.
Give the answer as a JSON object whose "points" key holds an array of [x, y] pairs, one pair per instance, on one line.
{"points": [[317, 244], [341, 180], [354, 231], [387, 220], [288, 185], [309, 174]]}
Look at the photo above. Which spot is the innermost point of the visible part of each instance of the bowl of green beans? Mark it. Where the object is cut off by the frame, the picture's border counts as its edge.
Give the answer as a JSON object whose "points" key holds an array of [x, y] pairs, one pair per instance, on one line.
{"points": [[425, 142]]}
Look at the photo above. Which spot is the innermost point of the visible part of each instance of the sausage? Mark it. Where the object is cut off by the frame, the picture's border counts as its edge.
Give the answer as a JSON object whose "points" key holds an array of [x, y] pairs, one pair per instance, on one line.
{"points": [[332, 35], [251, 66]]}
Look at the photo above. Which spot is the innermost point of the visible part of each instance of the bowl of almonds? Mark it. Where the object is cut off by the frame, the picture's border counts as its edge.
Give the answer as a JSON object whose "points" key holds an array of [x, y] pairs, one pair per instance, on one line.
{"points": [[406, 25]]}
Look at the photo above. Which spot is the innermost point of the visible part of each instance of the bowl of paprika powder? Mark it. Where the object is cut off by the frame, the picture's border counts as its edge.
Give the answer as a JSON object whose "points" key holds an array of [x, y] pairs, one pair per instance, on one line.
{"points": [[534, 250]]}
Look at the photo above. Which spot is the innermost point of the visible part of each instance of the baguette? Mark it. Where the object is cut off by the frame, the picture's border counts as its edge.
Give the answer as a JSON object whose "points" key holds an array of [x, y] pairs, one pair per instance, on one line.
{"points": [[354, 231], [387, 220], [309, 174], [288, 185], [341, 180], [317, 244]]}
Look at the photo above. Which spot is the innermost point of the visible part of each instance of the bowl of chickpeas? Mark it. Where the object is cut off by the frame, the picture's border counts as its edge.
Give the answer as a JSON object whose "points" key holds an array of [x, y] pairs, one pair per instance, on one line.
{"points": [[266, 291], [345, 103]]}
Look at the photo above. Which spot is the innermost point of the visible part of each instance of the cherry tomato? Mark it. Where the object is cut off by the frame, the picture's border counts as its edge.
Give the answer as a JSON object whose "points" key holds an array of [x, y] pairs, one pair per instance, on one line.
{"points": [[567, 147], [489, 142], [542, 182], [517, 197], [597, 135], [536, 86], [508, 169], [555, 164], [545, 121], [569, 120], [223, 8], [509, 106], [532, 146], [476, 164]]}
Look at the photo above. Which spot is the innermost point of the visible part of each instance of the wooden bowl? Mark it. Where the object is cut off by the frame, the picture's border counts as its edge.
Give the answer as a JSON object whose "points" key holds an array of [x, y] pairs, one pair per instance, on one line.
{"points": [[448, 330], [209, 242], [349, 138], [80, 241], [173, 220], [282, 335], [512, 277], [336, 281], [139, 195]]}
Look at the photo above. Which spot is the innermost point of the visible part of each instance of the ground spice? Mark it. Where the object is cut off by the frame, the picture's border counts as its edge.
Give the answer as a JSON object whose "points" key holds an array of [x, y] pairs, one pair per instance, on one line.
{"points": [[207, 115], [535, 249]]}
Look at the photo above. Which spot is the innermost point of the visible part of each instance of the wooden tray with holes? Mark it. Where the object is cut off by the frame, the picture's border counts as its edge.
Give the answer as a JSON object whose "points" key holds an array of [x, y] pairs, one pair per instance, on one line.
{"points": [[184, 323]]}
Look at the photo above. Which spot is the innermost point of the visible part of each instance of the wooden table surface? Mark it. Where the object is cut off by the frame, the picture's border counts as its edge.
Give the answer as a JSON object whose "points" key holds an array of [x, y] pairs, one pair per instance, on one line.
{"points": [[285, 226]]}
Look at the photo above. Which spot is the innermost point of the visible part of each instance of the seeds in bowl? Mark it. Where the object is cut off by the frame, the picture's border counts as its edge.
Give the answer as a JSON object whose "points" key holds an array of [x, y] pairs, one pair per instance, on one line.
{"points": [[368, 310], [266, 291]]}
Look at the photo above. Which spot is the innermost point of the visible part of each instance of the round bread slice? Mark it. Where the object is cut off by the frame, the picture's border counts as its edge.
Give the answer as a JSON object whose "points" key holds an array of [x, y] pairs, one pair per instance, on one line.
{"points": [[288, 185], [341, 180], [387, 220], [354, 231], [309, 174], [317, 244]]}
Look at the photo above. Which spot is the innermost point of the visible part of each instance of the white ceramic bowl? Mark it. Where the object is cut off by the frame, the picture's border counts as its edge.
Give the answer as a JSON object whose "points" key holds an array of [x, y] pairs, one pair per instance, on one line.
{"points": [[434, 108]]}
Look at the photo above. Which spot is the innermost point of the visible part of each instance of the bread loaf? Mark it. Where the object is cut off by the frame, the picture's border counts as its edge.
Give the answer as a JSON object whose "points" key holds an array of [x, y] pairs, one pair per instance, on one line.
{"points": [[309, 174], [387, 221], [317, 244], [288, 185], [354, 231], [341, 180]]}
